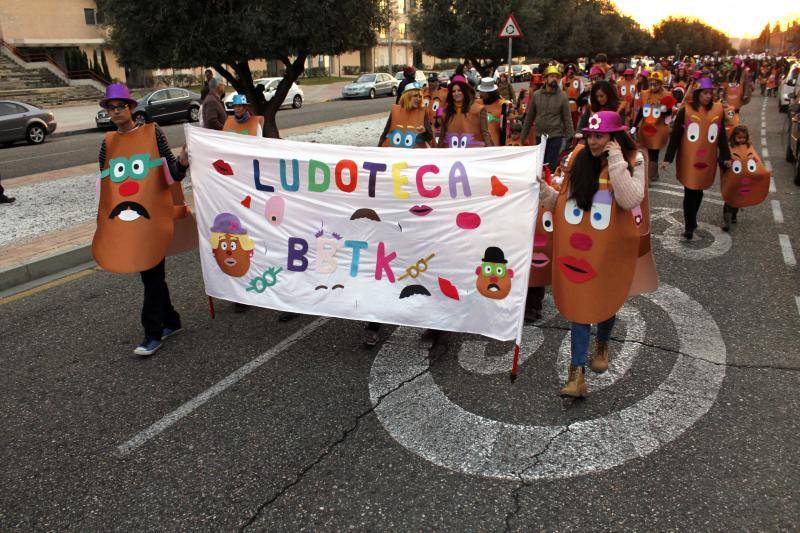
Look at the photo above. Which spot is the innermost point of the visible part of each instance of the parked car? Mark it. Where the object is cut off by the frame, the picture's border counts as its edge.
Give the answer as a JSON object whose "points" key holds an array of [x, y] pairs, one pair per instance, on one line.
{"points": [[20, 121], [521, 73], [294, 97], [371, 85], [420, 77], [788, 87], [160, 106], [793, 144]]}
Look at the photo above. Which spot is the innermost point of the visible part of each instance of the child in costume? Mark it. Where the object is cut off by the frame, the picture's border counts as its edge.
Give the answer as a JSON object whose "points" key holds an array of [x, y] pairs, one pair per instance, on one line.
{"points": [[745, 182]]}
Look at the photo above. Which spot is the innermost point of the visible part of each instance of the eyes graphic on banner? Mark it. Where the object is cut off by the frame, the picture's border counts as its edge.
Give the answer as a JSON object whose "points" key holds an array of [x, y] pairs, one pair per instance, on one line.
{"points": [[268, 278], [494, 276]]}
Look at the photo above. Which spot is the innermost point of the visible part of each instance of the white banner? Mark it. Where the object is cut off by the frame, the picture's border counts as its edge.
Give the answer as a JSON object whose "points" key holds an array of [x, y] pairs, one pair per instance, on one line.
{"points": [[438, 238]]}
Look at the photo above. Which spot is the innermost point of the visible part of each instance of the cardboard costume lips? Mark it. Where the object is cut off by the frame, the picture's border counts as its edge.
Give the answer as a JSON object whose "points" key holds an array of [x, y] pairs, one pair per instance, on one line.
{"points": [[134, 230], [746, 183], [697, 157], [595, 253]]}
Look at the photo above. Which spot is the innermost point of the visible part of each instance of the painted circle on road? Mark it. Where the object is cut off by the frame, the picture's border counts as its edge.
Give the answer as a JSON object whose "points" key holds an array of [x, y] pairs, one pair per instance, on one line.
{"points": [[419, 416], [672, 239]]}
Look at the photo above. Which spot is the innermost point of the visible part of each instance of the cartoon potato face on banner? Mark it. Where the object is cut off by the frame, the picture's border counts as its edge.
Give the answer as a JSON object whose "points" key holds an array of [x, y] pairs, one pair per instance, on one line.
{"points": [[541, 260], [697, 158], [595, 254], [746, 183], [136, 211], [494, 276], [231, 246]]}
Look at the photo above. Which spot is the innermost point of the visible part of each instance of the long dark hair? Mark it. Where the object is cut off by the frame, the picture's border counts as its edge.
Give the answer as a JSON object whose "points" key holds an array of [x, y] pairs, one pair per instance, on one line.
{"points": [[583, 178], [451, 104], [611, 95], [491, 97], [695, 103]]}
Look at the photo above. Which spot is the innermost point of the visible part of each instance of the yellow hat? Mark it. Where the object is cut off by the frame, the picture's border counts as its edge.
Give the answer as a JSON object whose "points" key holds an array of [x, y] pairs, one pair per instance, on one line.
{"points": [[657, 76], [552, 69]]}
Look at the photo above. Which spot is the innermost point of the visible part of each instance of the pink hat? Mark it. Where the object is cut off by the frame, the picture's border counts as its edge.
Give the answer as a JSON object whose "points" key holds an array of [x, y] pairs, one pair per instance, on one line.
{"points": [[459, 77], [696, 74], [737, 61], [628, 72], [645, 73], [604, 122], [596, 71]]}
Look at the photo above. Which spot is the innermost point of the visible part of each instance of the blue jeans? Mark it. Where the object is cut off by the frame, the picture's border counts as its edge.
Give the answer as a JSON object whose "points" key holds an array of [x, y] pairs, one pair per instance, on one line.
{"points": [[552, 150], [580, 334]]}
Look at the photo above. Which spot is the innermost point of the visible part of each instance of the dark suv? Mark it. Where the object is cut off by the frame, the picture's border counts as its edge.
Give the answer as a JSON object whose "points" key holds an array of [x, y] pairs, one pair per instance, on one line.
{"points": [[161, 105]]}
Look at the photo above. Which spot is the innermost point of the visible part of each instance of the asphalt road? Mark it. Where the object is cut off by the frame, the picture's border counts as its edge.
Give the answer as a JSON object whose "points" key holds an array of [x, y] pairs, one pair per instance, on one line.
{"points": [[694, 427], [61, 152]]}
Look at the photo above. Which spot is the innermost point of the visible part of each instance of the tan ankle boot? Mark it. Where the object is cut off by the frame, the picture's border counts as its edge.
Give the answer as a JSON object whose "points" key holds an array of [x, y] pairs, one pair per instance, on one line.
{"points": [[599, 362], [576, 386]]}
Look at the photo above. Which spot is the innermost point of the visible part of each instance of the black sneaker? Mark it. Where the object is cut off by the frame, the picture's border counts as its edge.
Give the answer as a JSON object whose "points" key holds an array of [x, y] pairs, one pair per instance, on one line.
{"points": [[726, 221], [688, 235], [7, 199]]}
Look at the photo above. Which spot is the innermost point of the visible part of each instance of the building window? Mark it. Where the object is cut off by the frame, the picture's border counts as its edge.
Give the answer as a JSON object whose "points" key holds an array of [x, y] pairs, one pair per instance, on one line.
{"points": [[88, 14], [401, 28], [401, 6], [99, 18], [383, 33]]}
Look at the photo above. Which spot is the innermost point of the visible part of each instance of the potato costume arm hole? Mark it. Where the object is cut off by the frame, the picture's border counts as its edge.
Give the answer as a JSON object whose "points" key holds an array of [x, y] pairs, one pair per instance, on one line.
{"points": [[487, 137], [385, 130], [177, 170], [675, 136], [628, 188], [724, 147]]}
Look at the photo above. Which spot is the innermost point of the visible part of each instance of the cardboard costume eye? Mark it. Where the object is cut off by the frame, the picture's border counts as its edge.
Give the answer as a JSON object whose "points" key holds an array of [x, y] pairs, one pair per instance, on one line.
{"points": [[623, 90], [425, 102], [547, 221], [396, 137], [410, 140], [119, 170], [572, 213], [713, 131], [464, 141], [436, 105], [646, 110], [455, 142], [656, 112], [736, 167], [693, 132], [751, 165], [600, 215]]}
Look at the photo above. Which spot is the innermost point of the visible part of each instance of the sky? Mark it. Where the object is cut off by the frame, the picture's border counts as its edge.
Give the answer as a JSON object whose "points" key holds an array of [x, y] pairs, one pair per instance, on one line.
{"points": [[737, 18]]}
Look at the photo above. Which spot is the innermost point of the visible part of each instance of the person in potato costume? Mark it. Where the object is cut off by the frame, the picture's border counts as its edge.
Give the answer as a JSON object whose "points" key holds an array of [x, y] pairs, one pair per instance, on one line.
{"points": [[698, 139], [746, 181], [596, 238], [653, 119], [243, 121], [137, 211]]}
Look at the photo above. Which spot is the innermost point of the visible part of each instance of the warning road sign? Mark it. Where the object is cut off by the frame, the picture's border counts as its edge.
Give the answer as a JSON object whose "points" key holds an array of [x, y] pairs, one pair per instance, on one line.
{"points": [[510, 28]]}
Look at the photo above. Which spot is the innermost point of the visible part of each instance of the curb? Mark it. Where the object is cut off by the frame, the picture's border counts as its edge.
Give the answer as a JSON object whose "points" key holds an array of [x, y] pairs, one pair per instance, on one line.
{"points": [[45, 267], [70, 133]]}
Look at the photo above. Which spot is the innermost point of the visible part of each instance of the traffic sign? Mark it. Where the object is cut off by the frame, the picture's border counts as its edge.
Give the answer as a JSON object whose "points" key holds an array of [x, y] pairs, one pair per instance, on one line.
{"points": [[510, 29]]}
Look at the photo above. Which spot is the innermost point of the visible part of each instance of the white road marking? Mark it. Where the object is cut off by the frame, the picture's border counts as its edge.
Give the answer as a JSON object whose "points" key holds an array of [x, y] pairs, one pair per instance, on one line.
{"points": [[768, 164], [786, 250], [763, 142], [777, 213], [765, 153], [53, 154], [421, 418], [797, 302], [168, 420], [763, 134], [653, 188], [678, 187], [772, 184], [672, 239]]}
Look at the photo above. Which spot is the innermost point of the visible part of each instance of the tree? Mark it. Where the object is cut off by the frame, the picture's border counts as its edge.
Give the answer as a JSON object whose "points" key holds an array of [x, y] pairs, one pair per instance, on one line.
{"points": [[692, 35], [229, 33], [104, 64]]}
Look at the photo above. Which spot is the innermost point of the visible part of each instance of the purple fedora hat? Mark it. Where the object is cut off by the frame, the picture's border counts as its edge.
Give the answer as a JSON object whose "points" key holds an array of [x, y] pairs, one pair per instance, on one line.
{"points": [[705, 83], [118, 91]]}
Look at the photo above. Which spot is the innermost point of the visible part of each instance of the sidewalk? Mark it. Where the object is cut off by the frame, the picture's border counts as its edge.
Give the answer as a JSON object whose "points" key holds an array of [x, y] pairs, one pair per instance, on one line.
{"points": [[49, 228], [79, 118]]}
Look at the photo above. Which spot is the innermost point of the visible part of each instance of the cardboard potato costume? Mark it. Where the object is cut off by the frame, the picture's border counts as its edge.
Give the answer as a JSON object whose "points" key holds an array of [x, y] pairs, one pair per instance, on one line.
{"points": [[495, 119], [136, 213], [434, 102], [406, 128], [734, 94], [542, 258], [732, 119], [645, 279], [697, 157], [595, 253], [654, 130], [746, 183], [249, 127], [464, 130]]}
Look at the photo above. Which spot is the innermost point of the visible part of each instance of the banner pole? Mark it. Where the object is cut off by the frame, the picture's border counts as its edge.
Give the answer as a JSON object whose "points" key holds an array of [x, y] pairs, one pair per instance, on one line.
{"points": [[514, 365], [211, 307]]}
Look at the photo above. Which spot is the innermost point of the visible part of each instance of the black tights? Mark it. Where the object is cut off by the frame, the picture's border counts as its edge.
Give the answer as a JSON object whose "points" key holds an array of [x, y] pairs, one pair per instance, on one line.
{"points": [[691, 205]]}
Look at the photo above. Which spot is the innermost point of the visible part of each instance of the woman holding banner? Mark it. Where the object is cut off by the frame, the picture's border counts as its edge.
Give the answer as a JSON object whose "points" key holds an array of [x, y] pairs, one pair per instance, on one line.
{"points": [[596, 238]]}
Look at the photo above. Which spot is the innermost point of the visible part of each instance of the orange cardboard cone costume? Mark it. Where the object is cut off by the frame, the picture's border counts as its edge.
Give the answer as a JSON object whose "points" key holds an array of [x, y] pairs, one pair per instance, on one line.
{"points": [[407, 126], [697, 157], [746, 183], [136, 214], [654, 129], [595, 252]]}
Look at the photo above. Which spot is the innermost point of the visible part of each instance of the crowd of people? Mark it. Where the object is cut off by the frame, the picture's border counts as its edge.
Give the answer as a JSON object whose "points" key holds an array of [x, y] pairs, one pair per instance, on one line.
{"points": [[605, 129]]}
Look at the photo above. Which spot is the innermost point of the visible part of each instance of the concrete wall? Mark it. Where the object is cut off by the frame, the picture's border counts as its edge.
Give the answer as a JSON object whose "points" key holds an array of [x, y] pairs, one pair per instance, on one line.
{"points": [[48, 22]]}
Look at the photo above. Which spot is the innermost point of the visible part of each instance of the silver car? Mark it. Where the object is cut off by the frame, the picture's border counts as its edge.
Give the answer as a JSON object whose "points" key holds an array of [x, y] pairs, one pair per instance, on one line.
{"points": [[371, 85], [20, 121], [788, 87]]}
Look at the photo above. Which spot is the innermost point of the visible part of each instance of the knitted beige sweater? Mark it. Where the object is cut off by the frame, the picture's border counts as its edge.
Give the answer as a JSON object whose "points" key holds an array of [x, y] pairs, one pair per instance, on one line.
{"points": [[628, 188]]}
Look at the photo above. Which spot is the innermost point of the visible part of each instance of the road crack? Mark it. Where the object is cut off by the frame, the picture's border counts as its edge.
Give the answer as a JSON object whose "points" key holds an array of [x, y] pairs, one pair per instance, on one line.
{"points": [[330, 447]]}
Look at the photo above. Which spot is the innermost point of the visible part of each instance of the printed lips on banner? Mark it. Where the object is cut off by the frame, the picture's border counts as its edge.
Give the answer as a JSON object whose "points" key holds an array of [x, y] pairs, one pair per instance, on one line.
{"points": [[426, 238]]}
